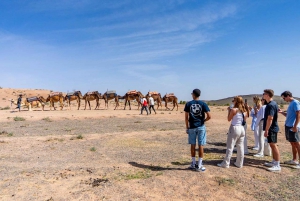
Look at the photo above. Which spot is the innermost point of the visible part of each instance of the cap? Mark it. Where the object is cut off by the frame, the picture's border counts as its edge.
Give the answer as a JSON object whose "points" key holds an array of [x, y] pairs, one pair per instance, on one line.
{"points": [[197, 92]]}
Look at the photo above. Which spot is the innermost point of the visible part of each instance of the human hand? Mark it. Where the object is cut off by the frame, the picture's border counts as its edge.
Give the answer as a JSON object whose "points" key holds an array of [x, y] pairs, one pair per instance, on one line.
{"points": [[294, 129], [187, 131], [266, 134]]}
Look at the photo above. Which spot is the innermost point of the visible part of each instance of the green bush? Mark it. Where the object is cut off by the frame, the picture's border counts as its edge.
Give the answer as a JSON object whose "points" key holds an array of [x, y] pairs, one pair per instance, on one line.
{"points": [[19, 118], [6, 108]]}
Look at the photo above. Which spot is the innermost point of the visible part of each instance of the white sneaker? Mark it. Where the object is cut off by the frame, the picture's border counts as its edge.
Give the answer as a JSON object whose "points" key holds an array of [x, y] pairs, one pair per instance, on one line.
{"points": [[269, 164], [258, 155], [275, 168], [291, 162], [237, 165], [222, 165], [297, 166]]}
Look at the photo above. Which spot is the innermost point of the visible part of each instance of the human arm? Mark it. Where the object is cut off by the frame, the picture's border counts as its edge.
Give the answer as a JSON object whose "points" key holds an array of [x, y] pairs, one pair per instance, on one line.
{"points": [[268, 125], [231, 114], [295, 129], [282, 112], [186, 121], [208, 116]]}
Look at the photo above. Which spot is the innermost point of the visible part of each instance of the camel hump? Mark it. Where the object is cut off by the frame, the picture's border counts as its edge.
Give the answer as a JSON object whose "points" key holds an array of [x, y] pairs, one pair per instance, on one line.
{"points": [[153, 93], [170, 95], [111, 92], [132, 92], [92, 92], [55, 94], [31, 99]]}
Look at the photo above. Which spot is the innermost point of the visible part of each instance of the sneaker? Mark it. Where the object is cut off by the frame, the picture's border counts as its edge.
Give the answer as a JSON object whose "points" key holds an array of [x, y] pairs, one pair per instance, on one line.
{"points": [[237, 165], [200, 169], [275, 168], [297, 166], [269, 164], [192, 166], [255, 148], [258, 155], [222, 165], [291, 162]]}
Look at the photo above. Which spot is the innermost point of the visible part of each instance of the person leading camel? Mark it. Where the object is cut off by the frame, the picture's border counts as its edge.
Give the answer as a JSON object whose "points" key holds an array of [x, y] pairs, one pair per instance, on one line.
{"points": [[144, 105], [19, 102], [151, 102]]}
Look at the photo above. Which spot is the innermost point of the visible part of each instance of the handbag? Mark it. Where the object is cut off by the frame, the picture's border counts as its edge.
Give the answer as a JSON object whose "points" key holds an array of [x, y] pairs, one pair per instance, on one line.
{"points": [[267, 148], [243, 122]]}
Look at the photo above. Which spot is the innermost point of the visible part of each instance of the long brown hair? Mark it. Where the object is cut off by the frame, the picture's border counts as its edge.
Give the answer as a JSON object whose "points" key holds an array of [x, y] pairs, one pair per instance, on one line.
{"points": [[239, 103]]}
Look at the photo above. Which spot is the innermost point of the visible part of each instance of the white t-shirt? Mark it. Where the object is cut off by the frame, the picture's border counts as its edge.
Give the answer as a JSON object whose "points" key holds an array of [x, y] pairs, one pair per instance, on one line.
{"points": [[151, 101]]}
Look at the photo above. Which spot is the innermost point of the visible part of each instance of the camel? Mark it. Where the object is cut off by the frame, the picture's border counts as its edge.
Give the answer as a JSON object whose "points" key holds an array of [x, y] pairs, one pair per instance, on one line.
{"points": [[90, 96], [133, 95], [53, 98], [30, 103], [109, 96], [73, 96], [170, 98], [156, 96]]}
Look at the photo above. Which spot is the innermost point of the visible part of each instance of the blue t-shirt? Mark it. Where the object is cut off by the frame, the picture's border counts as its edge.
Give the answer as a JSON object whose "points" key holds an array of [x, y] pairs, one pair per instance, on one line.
{"points": [[291, 113], [196, 110], [271, 110]]}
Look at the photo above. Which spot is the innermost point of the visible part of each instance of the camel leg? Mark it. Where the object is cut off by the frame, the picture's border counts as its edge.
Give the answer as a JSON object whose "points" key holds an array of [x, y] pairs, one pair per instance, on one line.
{"points": [[85, 105], [97, 104], [78, 102], [125, 104], [61, 104], [129, 104], [89, 104]]}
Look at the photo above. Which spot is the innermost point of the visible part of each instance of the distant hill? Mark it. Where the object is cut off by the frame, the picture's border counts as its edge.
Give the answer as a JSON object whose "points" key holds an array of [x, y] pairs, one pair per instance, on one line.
{"points": [[249, 98]]}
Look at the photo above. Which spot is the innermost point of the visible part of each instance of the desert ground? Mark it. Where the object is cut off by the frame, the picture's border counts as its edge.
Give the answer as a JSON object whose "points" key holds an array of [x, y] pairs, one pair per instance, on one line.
{"points": [[121, 155]]}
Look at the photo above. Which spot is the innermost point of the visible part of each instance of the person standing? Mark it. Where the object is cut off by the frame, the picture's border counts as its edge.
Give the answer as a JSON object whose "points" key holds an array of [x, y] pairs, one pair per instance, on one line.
{"points": [[292, 126], [196, 114], [259, 126], [151, 102], [144, 105], [236, 135], [253, 114], [271, 129], [19, 101]]}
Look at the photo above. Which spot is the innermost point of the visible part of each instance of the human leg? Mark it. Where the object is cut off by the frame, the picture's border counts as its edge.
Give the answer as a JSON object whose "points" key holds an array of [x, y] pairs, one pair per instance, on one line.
{"points": [[256, 138], [240, 148], [231, 140], [261, 140], [192, 142], [245, 141]]}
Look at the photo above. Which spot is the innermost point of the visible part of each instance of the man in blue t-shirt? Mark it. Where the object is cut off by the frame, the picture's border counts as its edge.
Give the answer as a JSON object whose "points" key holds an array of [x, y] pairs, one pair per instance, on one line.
{"points": [[195, 112], [292, 125], [271, 129]]}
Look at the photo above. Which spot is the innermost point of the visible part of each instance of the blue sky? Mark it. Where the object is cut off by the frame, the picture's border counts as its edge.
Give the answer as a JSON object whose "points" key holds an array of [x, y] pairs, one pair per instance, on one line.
{"points": [[225, 48]]}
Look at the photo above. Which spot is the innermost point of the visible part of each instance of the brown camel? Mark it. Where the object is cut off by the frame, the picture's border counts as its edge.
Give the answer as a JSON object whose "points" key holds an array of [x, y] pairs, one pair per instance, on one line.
{"points": [[73, 96], [156, 96], [53, 98], [90, 96], [109, 96], [30, 103], [170, 98], [133, 95]]}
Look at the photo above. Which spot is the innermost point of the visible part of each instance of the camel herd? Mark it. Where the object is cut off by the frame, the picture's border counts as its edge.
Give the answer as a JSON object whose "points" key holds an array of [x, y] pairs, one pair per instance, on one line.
{"points": [[54, 97]]}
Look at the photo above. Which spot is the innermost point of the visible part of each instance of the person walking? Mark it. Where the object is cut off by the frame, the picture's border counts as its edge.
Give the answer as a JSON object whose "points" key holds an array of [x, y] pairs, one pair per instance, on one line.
{"points": [[271, 129], [236, 135], [151, 102], [144, 105], [259, 126], [292, 126], [196, 114], [19, 101]]}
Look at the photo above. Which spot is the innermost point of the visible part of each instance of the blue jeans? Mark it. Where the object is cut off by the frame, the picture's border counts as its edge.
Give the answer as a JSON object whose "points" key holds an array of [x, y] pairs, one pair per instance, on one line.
{"points": [[199, 133]]}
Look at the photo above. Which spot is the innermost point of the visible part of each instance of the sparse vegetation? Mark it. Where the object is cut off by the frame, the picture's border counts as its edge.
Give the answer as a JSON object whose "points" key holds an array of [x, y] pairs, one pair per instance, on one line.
{"points": [[5, 108], [10, 134], [137, 122], [93, 149], [225, 181], [19, 118], [47, 119], [79, 137], [138, 175]]}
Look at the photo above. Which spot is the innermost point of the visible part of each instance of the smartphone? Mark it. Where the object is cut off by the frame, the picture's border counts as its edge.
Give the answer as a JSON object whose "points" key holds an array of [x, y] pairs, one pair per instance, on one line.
{"points": [[245, 100]]}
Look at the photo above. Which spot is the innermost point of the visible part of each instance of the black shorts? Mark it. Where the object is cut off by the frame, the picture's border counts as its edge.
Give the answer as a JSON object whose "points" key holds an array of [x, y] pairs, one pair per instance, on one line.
{"points": [[290, 135], [272, 137]]}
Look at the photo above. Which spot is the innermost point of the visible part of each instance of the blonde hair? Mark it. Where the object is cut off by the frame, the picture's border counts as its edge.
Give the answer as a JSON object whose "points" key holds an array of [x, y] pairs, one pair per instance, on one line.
{"points": [[239, 103], [256, 100]]}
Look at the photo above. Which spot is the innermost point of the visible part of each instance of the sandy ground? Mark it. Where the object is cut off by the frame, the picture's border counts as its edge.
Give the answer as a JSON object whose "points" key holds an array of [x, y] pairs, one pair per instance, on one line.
{"points": [[120, 155]]}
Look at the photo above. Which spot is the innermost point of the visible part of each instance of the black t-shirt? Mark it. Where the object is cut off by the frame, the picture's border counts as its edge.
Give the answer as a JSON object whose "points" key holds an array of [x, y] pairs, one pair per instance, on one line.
{"points": [[196, 110], [271, 110], [19, 100]]}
